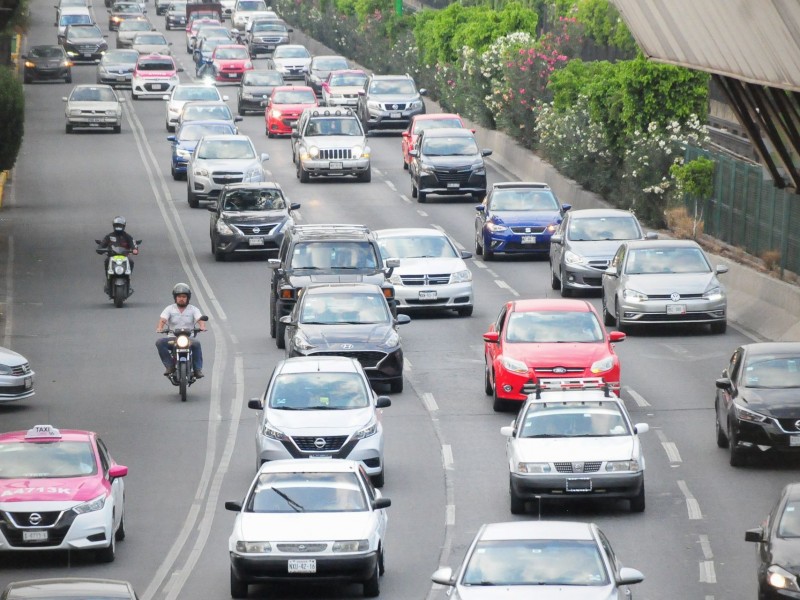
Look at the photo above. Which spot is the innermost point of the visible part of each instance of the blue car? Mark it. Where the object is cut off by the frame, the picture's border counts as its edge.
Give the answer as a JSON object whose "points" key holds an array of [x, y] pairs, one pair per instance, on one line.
{"points": [[186, 138], [517, 218]]}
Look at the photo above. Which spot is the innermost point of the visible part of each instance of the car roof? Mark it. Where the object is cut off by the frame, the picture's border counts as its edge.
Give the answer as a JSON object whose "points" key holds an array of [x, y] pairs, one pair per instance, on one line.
{"points": [[759, 348], [536, 530], [228, 46], [69, 587], [310, 465], [283, 88], [508, 185], [75, 10], [318, 364], [67, 435], [347, 72], [560, 304], [662, 244], [596, 213], [225, 137], [348, 288], [404, 76], [328, 231], [409, 231]]}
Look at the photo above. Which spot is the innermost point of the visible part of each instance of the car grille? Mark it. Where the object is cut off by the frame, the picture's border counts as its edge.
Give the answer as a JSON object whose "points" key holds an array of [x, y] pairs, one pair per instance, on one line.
{"points": [[515, 247], [56, 523], [289, 121], [593, 281], [156, 86], [449, 175], [602, 265], [394, 106], [668, 296], [528, 230], [86, 48], [790, 424], [439, 279], [332, 443], [366, 358], [301, 548], [588, 467], [122, 71], [269, 40], [549, 371], [93, 113], [335, 154], [262, 229], [21, 370], [223, 177]]}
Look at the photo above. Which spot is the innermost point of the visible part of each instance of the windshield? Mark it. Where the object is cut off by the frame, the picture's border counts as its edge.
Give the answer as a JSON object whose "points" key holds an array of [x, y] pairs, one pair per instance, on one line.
{"points": [[603, 228], [75, 20], [423, 246], [200, 92], [525, 199], [332, 309], [81, 33], [449, 146], [226, 149], [448, 123], [294, 97], [267, 26], [319, 391], [306, 492], [549, 326], [93, 94], [332, 255], [150, 39], [772, 372], [232, 53], [191, 132], [290, 52], [220, 112], [402, 87], [36, 460], [245, 5], [127, 8], [589, 419], [333, 126], [177, 7], [156, 65], [330, 63], [120, 57], [267, 78], [46, 52], [253, 200], [666, 260], [347, 80]]}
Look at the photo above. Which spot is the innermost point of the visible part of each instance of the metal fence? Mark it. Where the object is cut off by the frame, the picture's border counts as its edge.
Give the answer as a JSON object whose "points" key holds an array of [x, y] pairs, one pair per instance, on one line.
{"points": [[749, 212]]}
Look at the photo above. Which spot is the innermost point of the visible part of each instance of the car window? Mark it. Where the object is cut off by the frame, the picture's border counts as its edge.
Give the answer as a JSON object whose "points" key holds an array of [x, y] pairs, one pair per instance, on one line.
{"points": [[523, 199], [789, 525], [328, 255], [253, 200], [196, 93], [134, 25], [392, 86], [416, 247], [735, 364], [75, 20], [150, 39], [499, 324], [31, 460], [232, 53], [251, 5], [591, 419], [306, 492], [553, 326], [666, 260], [318, 391], [192, 132], [619, 258], [455, 146], [332, 126], [105, 459], [155, 65], [329, 64], [226, 149], [423, 124], [92, 94], [207, 113], [764, 371], [603, 228], [119, 57], [84, 32], [347, 80], [331, 309], [290, 52]]}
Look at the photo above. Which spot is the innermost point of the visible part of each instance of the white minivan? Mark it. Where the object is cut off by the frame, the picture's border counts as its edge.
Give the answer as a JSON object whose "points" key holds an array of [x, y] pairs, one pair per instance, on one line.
{"points": [[73, 15]]}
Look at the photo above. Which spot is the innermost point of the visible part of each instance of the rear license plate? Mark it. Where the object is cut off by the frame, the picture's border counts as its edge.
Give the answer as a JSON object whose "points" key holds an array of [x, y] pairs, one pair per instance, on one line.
{"points": [[453, 185], [34, 536], [676, 309], [583, 484], [29, 385], [395, 115], [794, 440], [308, 565], [429, 295], [256, 241], [528, 239], [336, 166]]}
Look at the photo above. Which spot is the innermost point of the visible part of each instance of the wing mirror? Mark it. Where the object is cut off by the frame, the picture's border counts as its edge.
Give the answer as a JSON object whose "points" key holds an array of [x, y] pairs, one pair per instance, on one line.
{"points": [[491, 337]]}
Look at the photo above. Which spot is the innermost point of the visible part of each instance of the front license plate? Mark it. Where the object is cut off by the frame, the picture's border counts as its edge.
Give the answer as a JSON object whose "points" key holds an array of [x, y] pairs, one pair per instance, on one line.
{"points": [[121, 78], [794, 440], [335, 166], [270, 46], [95, 120], [395, 115], [29, 385], [583, 484], [428, 295], [676, 309], [453, 185], [320, 456], [232, 75], [528, 239], [256, 241], [87, 55], [308, 565], [34, 536]]}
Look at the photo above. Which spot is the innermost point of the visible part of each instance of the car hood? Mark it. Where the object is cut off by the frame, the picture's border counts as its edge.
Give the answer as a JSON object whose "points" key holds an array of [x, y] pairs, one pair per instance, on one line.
{"points": [[230, 63], [254, 218], [306, 527], [569, 449], [359, 335], [95, 106], [560, 354], [394, 98], [299, 281], [292, 107], [452, 162], [537, 218], [319, 422], [153, 49], [11, 358], [602, 249], [221, 164], [426, 266], [302, 62], [58, 489], [258, 90], [345, 89], [541, 592], [778, 403], [667, 283], [86, 40], [335, 141]]}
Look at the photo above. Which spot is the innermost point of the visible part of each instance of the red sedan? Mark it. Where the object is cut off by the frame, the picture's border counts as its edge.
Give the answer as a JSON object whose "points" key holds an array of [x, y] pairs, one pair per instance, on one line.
{"points": [[231, 61], [426, 121], [284, 107], [548, 338]]}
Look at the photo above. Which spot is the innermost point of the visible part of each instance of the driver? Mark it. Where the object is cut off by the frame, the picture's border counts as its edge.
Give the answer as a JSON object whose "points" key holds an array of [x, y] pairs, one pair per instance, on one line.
{"points": [[118, 238], [180, 315]]}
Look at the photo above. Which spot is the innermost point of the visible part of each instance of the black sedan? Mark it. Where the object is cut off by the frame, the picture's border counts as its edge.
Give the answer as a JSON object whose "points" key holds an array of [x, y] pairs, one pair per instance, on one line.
{"points": [[758, 400], [249, 217], [46, 63], [778, 542], [348, 319], [255, 90]]}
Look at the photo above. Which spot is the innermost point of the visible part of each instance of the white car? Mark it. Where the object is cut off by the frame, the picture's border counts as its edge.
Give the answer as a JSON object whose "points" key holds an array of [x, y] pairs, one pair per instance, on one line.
{"points": [[16, 376], [247, 11], [93, 106], [432, 272], [573, 438], [317, 520], [154, 76], [291, 61], [325, 398], [188, 92]]}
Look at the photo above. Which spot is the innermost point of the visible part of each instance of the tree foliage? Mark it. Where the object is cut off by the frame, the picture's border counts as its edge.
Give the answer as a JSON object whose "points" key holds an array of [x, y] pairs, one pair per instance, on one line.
{"points": [[12, 117]]}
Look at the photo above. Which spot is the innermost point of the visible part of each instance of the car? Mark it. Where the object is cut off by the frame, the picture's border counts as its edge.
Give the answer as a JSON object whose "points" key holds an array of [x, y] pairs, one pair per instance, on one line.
{"points": [[194, 24], [757, 404], [230, 62], [584, 243], [309, 252], [218, 160], [432, 272], [330, 143], [285, 106], [151, 42], [517, 218], [84, 43], [128, 29], [255, 90], [447, 162], [315, 520], [116, 67], [86, 588], [207, 110], [45, 63], [245, 11], [120, 11], [16, 376], [155, 75], [207, 32], [572, 560], [248, 218], [348, 319], [661, 282], [74, 15], [389, 101], [419, 123], [320, 67], [175, 16], [201, 55], [264, 35], [188, 92], [185, 140], [341, 88], [574, 438], [62, 4], [93, 106], [291, 60], [545, 338], [321, 397], [60, 490], [778, 544]]}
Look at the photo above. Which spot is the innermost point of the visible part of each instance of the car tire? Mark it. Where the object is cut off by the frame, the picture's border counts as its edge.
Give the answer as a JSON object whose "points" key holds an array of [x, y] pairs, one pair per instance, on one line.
{"points": [[27, 79], [465, 311], [517, 503], [487, 381], [722, 439], [272, 319], [422, 197], [170, 128], [219, 255], [608, 318], [618, 322], [719, 327], [366, 176], [380, 479], [68, 78], [267, 131], [238, 587], [173, 172], [488, 255], [134, 95], [280, 335], [302, 174], [117, 128], [413, 189], [120, 533], [68, 128], [563, 289], [737, 455], [555, 282], [637, 501], [109, 553], [396, 386], [478, 246], [381, 561], [191, 197], [240, 110], [372, 586]]}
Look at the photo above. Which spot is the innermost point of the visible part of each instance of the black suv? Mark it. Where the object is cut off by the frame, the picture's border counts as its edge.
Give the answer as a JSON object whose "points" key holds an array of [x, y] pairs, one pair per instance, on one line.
{"points": [[389, 102], [324, 254]]}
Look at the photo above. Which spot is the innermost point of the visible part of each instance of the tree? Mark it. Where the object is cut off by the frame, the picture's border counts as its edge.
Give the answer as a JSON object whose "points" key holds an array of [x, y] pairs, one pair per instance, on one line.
{"points": [[12, 117]]}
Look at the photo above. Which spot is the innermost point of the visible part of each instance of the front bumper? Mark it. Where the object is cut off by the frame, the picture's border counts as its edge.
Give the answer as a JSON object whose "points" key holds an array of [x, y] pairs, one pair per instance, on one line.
{"points": [[434, 183], [148, 88], [516, 386], [46, 73], [253, 102], [229, 76], [86, 57], [263, 568], [451, 295], [654, 312], [582, 277], [351, 100], [778, 434], [94, 122], [174, 22], [385, 119], [265, 47], [586, 485], [368, 451], [510, 242], [282, 126], [16, 387], [335, 168], [115, 79], [241, 242]]}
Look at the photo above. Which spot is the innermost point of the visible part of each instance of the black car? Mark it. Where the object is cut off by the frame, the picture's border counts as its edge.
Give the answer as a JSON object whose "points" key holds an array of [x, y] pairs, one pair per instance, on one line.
{"points": [[348, 319], [778, 542], [175, 16], [123, 10], [249, 217], [46, 63], [447, 162], [320, 67], [255, 90], [84, 43], [84, 588], [116, 67], [758, 400], [264, 35]]}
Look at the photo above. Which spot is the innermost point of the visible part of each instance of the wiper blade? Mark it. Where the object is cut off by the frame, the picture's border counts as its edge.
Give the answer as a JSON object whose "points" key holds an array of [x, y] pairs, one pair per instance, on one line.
{"points": [[294, 505], [544, 435]]}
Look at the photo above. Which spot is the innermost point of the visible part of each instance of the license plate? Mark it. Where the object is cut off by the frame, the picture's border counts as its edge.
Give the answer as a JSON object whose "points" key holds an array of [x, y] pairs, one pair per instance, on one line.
{"points": [[159, 86], [430, 295], [95, 120], [121, 78], [320, 456], [583, 484], [336, 166], [528, 239], [676, 309], [308, 565], [34, 536], [270, 46], [29, 385], [256, 241], [794, 440], [232, 75], [453, 185], [87, 54], [395, 115]]}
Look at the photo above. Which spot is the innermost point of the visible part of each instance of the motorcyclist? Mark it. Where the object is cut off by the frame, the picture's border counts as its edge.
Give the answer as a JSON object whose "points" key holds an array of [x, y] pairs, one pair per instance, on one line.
{"points": [[120, 238], [180, 315]]}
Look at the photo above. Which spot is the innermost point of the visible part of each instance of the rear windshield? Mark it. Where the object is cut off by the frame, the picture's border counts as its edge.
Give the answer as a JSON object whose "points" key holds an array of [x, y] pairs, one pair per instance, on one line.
{"points": [[192, 133], [76, 20]]}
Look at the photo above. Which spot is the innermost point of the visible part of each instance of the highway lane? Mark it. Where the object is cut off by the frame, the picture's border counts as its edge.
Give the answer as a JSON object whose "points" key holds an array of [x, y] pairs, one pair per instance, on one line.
{"points": [[95, 372]]}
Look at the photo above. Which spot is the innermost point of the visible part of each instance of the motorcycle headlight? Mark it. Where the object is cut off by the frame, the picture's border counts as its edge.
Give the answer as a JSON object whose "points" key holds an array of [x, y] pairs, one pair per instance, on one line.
{"points": [[634, 296], [514, 365], [603, 365], [223, 228], [274, 433], [351, 546], [182, 341], [119, 269], [495, 227], [575, 259], [391, 340], [533, 467], [744, 414], [780, 578], [368, 430], [616, 466], [301, 342], [253, 547], [461, 276], [714, 293], [90, 506]]}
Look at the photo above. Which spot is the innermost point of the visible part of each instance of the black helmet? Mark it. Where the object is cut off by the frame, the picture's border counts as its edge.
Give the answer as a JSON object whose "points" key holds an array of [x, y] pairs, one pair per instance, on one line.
{"points": [[181, 288], [119, 223]]}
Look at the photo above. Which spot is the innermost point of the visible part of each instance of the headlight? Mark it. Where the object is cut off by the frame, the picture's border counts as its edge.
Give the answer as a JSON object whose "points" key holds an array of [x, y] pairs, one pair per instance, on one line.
{"points": [[495, 227], [575, 259], [715, 293], [30, 64], [90, 506], [780, 578], [533, 467], [275, 114], [391, 340], [744, 414], [175, 78], [415, 104], [301, 342], [551, 228], [253, 547], [182, 341], [119, 269], [461, 276], [180, 153], [112, 113], [369, 430], [425, 168], [274, 433], [634, 296], [396, 279], [374, 105], [224, 228], [479, 170], [201, 172], [615, 466], [174, 109], [351, 546], [514, 365], [601, 366], [356, 151], [254, 173], [313, 151], [5, 370], [75, 112]]}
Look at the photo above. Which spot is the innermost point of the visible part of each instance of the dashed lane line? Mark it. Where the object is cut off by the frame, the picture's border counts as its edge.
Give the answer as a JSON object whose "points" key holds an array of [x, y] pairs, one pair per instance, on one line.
{"points": [[430, 402], [447, 457], [669, 447], [692, 505], [422, 213], [505, 286], [390, 184], [637, 397]]}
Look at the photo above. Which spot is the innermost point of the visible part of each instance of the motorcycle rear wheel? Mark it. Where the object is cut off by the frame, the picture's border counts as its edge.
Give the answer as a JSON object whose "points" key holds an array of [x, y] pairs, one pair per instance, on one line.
{"points": [[183, 380], [119, 295]]}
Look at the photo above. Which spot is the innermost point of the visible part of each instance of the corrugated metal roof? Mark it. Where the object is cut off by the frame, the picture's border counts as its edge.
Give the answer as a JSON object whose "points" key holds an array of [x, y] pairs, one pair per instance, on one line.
{"points": [[757, 41]]}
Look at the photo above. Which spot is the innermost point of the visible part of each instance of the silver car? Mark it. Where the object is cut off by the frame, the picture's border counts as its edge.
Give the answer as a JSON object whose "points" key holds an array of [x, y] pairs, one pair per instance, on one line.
{"points": [[432, 273], [584, 243], [116, 67], [93, 107], [292, 61], [129, 28], [663, 281], [321, 407], [16, 377], [219, 160]]}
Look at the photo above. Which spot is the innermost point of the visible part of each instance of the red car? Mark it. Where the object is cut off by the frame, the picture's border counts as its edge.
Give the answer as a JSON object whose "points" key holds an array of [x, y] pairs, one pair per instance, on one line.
{"points": [[547, 338], [230, 62], [426, 121], [284, 107]]}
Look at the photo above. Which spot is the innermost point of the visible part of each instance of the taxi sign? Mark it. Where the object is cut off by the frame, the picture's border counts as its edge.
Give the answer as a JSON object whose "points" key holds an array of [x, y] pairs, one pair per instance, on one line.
{"points": [[43, 431]]}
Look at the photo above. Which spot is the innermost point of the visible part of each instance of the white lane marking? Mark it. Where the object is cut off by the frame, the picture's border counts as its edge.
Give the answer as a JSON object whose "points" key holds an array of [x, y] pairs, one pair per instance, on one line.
{"points": [[692, 505], [637, 397], [505, 286], [9, 299], [378, 172], [492, 272], [439, 227], [480, 265], [705, 546], [450, 515], [422, 213], [430, 402], [707, 573], [391, 185], [406, 363], [447, 457], [405, 198], [669, 447]]}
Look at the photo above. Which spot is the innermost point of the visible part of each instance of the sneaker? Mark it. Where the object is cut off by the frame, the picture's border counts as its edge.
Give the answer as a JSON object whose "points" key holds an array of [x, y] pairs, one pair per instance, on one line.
{"points": [[169, 371], [198, 374]]}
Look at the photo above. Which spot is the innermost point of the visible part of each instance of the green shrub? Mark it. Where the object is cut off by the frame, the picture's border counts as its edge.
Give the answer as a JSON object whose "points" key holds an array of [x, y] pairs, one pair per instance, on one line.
{"points": [[12, 117]]}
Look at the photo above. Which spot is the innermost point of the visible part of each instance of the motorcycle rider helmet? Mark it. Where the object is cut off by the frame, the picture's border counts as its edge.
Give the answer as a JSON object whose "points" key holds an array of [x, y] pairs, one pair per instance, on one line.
{"points": [[119, 224], [181, 288]]}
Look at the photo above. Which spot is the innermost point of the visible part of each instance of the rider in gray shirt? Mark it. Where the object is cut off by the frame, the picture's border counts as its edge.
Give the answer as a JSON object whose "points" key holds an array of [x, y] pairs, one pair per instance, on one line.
{"points": [[180, 315]]}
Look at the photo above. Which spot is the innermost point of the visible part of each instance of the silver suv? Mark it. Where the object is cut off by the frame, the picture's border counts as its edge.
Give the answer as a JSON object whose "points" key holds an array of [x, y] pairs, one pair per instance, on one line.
{"points": [[389, 102], [330, 142]]}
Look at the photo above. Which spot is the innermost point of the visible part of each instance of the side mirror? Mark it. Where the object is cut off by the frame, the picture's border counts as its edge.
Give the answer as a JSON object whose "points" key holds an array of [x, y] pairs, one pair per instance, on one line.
{"points": [[381, 503], [556, 238], [507, 431], [64, 98], [273, 263], [172, 138], [721, 269], [392, 263], [117, 471], [225, 98], [641, 428], [611, 272], [295, 134], [651, 235], [237, 119], [287, 320], [616, 336], [121, 98], [486, 152], [406, 134], [234, 506], [565, 207], [212, 207], [480, 208], [264, 155], [402, 319], [294, 206], [255, 404], [491, 337], [754, 535], [466, 254], [423, 91], [628, 576], [98, 242], [383, 401], [724, 384], [179, 70], [169, 43], [444, 576]]}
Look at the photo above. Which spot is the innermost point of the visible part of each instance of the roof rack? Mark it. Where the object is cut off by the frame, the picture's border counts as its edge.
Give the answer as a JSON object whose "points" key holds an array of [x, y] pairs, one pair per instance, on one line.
{"points": [[574, 384], [332, 112]]}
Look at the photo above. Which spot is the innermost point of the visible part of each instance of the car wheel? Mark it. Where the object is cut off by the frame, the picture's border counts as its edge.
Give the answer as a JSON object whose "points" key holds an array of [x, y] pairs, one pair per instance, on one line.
{"points": [[302, 174], [405, 165], [173, 172], [366, 176], [413, 189], [555, 283], [608, 318], [517, 503], [219, 255], [563, 289], [722, 439], [117, 128], [109, 553], [170, 128], [68, 78], [238, 587], [396, 386], [719, 327], [27, 79], [465, 311], [637, 502], [120, 534], [738, 455], [134, 95], [68, 128], [381, 561], [422, 197], [267, 131], [191, 197], [487, 381], [478, 247], [240, 110], [379, 479], [272, 319], [372, 586], [280, 335], [498, 404], [488, 255]]}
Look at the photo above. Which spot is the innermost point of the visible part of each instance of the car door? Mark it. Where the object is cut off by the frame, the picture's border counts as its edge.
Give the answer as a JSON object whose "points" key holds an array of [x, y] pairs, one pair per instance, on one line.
{"points": [[725, 397], [493, 350], [117, 485], [611, 282]]}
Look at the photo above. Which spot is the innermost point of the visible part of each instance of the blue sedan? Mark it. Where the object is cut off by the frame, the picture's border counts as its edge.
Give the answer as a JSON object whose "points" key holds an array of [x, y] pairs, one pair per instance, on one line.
{"points": [[517, 218], [186, 138]]}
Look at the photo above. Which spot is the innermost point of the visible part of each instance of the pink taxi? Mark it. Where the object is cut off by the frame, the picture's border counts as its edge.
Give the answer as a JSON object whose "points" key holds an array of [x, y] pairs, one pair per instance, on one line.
{"points": [[60, 490]]}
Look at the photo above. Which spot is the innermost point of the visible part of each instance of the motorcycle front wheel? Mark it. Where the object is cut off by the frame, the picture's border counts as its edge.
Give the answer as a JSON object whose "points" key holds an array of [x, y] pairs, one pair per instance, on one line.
{"points": [[183, 379], [119, 295]]}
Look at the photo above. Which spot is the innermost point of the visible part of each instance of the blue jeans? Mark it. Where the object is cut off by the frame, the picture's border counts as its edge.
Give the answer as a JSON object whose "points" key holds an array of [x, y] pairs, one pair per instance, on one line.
{"points": [[164, 346]]}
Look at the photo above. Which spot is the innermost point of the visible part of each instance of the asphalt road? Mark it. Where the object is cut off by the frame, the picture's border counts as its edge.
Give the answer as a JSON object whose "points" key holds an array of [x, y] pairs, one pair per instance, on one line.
{"points": [[97, 369]]}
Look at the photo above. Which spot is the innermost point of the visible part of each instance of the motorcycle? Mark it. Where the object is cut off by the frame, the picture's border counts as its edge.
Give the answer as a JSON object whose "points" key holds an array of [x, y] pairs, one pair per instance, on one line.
{"points": [[118, 275], [181, 348]]}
